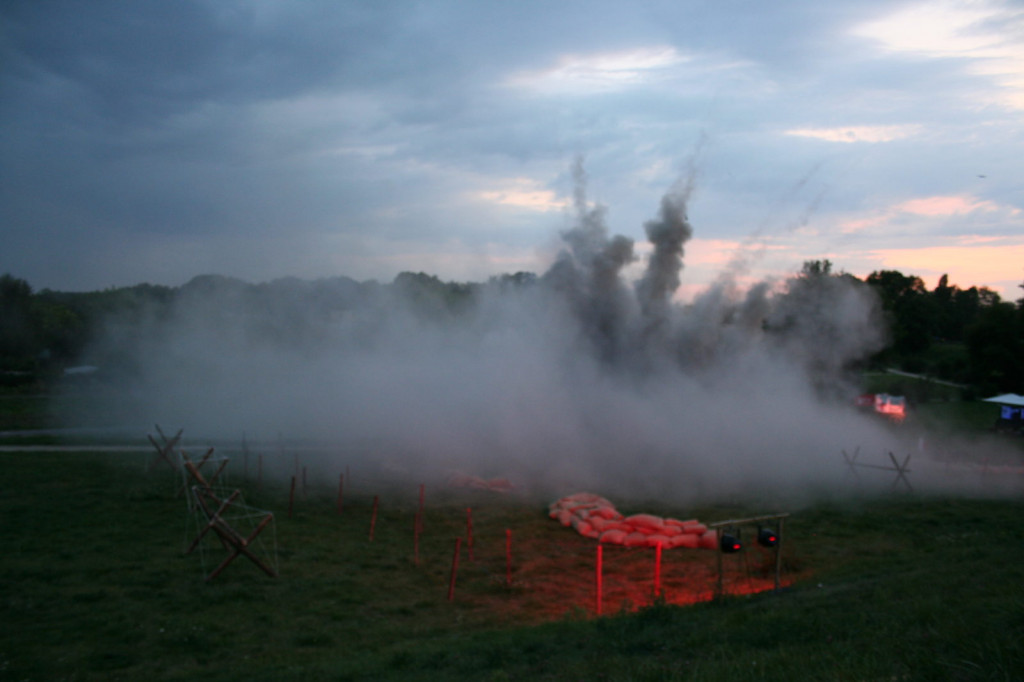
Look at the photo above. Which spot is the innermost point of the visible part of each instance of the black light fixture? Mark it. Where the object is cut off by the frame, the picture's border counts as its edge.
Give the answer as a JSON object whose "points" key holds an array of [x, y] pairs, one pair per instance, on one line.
{"points": [[729, 543], [766, 537]]}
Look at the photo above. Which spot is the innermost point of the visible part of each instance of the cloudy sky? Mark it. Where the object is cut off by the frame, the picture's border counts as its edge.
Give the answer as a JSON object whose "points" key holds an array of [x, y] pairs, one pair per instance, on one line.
{"points": [[153, 141]]}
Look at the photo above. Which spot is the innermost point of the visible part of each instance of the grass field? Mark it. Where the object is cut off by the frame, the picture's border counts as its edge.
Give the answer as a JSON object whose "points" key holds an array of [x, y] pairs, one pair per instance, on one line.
{"points": [[96, 586]]}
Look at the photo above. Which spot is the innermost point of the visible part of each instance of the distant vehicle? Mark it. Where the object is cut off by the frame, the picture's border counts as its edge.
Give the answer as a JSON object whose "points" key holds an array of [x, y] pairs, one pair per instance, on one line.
{"points": [[892, 406]]}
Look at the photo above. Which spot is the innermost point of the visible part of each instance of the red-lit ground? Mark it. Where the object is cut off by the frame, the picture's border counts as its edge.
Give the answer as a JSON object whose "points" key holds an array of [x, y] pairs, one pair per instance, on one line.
{"points": [[552, 578]]}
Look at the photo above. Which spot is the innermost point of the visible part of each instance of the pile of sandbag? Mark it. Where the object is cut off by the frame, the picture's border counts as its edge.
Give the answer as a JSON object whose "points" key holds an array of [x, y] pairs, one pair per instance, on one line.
{"points": [[595, 517]]}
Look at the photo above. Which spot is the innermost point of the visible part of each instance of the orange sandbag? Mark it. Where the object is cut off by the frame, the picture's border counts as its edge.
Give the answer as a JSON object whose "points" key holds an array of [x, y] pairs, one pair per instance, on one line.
{"points": [[595, 517], [655, 540], [613, 537], [635, 540], [685, 541], [709, 540], [619, 525], [645, 521], [606, 513]]}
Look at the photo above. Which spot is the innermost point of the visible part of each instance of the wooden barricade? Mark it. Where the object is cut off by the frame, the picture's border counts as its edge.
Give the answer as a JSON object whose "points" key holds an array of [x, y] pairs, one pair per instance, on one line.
{"points": [[213, 510], [901, 468], [164, 453]]}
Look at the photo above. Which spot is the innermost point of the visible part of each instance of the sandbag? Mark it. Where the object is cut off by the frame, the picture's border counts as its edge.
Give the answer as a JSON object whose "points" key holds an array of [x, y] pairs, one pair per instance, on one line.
{"points": [[635, 540], [709, 540], [613, 537], [645, 521], [595, 517], [685, 541], [655, 540]]}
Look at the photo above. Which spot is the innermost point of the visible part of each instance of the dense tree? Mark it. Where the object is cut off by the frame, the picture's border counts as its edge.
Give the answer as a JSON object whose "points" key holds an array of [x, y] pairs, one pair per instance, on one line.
{"points": [[967, 335], [996, 347], [909, 311], [17, 337]]}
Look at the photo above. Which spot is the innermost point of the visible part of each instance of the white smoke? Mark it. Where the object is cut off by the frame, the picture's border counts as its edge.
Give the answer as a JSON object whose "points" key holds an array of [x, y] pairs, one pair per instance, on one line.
{"points": [[574, 380]]}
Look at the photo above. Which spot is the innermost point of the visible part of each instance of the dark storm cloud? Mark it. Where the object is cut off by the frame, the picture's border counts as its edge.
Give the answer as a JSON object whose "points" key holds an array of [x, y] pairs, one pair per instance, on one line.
{"points": [[224, 120]]}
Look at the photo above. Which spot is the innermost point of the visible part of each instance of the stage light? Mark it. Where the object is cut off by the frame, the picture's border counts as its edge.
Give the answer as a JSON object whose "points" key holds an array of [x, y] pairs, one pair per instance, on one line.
{"points": [[766, 537], [729, 544]]}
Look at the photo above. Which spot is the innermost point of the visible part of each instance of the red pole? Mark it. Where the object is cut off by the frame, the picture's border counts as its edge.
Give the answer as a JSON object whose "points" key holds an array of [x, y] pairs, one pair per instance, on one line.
{"points": [[469, 531], [291, 498], [341, 489], [455, 569], [373, 517], [419, 516], [599, 585], [508, 557], [657, 570]]}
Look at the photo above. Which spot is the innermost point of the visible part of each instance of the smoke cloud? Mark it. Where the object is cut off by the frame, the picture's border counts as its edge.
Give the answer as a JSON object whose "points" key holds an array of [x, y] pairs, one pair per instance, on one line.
{"points": [[574, 380]]}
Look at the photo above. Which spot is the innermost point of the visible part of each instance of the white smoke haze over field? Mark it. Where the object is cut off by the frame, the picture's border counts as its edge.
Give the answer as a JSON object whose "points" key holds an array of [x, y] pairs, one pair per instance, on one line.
{"points": [[575, 380]]}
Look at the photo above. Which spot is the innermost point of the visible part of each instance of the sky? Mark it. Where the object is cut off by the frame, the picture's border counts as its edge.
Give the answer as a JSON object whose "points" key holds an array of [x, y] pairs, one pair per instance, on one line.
{"points": [[153, 141]]}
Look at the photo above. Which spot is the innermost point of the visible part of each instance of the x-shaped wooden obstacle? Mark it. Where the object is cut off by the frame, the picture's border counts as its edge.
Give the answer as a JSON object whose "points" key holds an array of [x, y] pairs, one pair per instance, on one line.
{"points": [[191, 470], [164, 452], [901, 469], [213, 511]]}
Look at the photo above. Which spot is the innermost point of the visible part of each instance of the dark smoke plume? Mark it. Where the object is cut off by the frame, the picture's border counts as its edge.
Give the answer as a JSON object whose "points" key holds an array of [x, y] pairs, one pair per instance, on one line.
{"points": [[577, 379]]}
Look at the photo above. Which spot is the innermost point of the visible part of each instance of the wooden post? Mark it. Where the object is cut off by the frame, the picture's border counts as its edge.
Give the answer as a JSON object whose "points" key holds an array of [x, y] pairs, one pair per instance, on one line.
{"points": [[455, 569], [598, 577], [341, 490], [291, 498], [508, 557], [373, 517]]}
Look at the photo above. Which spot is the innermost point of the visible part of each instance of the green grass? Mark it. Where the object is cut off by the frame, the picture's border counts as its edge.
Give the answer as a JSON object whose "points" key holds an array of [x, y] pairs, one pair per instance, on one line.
{"points": [[96, 587]]}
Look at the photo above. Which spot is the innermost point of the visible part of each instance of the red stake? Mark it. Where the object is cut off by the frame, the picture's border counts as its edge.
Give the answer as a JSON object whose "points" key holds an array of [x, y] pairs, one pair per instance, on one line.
{"points": [[508, 557], [373, 517], [341, 489], [291, 498], [419, 516], [455, 569], [598, 577], [469, 532], [657, 570]]}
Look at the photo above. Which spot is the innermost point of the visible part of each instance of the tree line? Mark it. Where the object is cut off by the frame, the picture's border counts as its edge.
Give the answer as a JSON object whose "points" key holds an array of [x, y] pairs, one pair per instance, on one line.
{"points": [[968, 336]]}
